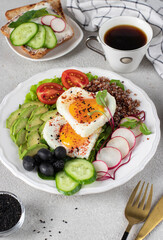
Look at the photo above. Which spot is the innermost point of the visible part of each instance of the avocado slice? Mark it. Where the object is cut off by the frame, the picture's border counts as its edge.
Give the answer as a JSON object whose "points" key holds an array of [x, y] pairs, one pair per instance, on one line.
{"points": [[19, 124], [38, 110], [13, 116], [33, 139], [41, 128], [22, 148], [31, 151], [11, 131], [48, 115], [32, 103], [34, 121], [20, 137], [26, 112], [32, 129]]}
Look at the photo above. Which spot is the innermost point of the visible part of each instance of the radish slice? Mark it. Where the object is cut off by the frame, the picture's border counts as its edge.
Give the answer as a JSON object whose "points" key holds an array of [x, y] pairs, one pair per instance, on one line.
{"points": [[111, 156], [136, 131], [127, 134], [45, 20], [101, 168], [58, 25], [121, 144]]}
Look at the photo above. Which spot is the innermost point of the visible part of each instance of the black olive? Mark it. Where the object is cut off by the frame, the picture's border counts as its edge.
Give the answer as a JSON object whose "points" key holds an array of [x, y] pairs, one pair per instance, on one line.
{"points": [[37, 160], [44, 154], [60, 152], [46, 169], [58, 165], [29, 163]]}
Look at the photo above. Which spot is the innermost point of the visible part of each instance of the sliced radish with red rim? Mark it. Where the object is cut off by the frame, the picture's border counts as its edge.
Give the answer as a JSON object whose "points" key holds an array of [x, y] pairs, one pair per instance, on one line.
{"points": [[58, 25], [111, 156], [127, 134], [121, 144], [136, 131], [45, 20], [101, 168]]}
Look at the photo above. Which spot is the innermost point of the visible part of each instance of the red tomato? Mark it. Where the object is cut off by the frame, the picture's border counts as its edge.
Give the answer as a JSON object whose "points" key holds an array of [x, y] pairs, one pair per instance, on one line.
{"points": [[74, 78], [48, 93]]}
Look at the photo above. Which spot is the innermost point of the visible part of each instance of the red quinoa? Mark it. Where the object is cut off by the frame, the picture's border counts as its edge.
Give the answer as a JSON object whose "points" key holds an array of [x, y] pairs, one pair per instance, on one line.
{"points": [[126, 106]]}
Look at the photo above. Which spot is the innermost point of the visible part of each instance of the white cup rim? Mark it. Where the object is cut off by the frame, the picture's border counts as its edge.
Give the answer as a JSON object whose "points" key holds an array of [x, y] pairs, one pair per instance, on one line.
{"points": [[118, 24]]}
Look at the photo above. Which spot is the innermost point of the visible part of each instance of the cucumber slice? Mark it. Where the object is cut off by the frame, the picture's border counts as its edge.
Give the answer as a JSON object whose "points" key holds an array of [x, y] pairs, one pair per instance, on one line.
{"points": [[23, 33], [80, 170], [66, 184], [38, 40], [50, 40]]}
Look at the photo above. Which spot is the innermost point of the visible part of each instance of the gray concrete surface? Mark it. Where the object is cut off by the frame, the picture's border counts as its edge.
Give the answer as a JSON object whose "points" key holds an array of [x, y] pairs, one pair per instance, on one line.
{"points": [[97, 216]]}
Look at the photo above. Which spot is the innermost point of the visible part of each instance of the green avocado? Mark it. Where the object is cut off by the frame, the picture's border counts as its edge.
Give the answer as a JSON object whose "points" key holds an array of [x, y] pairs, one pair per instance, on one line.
{"points": [[38, 110], [21, 137], [19, 124], [32, 129], [13, 116], [34, 121], [33, 139], [31, 151], [48, 115], [32, 103], [26, 112]]}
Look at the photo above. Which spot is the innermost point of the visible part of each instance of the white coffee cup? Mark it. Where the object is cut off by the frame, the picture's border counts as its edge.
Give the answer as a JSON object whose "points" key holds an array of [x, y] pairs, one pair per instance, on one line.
{"points": [[123, 61]]}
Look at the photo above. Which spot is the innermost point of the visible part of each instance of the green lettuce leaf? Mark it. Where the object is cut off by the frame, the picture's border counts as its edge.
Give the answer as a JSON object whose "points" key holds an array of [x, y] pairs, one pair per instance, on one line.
{"points": [[32, 95]]}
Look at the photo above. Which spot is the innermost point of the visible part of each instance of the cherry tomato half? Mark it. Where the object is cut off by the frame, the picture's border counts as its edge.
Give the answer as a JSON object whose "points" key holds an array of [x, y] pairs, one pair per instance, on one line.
{"points": [[74, 78], [48, 93]]}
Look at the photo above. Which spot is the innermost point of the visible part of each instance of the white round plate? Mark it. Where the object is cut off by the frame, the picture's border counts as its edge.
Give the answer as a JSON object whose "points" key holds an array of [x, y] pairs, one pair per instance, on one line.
{"points": [[57, 52], [144, 151]]}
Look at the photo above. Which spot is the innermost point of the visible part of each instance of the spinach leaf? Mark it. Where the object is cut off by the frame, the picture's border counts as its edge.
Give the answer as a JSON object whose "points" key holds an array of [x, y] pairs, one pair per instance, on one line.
{"points": [[106, 132], [118, 83], [27, 16], [45, 177]]}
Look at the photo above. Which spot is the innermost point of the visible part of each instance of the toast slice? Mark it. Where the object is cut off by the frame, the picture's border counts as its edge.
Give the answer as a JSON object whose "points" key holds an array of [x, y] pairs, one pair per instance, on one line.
{"points": [[53, 7]]}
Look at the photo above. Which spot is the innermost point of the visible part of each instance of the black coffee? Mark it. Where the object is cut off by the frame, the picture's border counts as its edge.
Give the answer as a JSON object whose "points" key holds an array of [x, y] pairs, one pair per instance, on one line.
{"points": [[125, 37]]}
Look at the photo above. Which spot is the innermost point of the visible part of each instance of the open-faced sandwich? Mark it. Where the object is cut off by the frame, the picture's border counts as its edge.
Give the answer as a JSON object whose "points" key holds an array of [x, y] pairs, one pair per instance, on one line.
{"points": [[37, 28]]}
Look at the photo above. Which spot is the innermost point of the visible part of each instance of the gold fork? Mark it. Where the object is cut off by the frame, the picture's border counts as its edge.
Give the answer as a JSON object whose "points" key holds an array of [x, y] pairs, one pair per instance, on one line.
{"points": [[136, 211]]}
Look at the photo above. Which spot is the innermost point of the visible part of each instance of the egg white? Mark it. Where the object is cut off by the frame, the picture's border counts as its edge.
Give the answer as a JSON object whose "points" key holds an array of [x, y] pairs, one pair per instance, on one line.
{"points": [[83, 129], [51, 135]]}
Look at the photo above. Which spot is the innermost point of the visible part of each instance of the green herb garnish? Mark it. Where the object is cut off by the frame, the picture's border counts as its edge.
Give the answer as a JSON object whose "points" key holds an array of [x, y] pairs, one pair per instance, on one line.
{"points": [[130, 123], [91, 77], [27, 16], [118, 83], [133, 123], [144, 129], [100, 98]]}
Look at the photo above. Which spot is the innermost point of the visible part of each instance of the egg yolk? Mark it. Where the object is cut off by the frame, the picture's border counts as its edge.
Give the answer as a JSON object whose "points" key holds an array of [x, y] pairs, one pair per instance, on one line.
{"points": [[70, 138], [81, 108]]}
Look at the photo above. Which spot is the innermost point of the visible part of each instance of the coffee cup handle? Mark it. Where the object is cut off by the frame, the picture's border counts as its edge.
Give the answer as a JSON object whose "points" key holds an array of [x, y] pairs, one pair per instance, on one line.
{"points": [[88, 40]]}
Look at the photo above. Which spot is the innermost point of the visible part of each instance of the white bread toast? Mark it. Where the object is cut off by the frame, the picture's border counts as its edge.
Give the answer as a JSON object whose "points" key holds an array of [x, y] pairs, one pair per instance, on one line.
{"points": [[53, 7]]}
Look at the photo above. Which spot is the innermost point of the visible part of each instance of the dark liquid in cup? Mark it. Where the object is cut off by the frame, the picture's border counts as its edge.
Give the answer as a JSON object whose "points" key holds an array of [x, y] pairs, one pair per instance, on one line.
{"points": [[125, 37]]}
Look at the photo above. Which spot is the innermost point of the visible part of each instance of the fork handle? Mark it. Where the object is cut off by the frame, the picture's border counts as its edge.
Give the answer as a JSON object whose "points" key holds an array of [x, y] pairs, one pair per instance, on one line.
{"points": [[125, 235]]}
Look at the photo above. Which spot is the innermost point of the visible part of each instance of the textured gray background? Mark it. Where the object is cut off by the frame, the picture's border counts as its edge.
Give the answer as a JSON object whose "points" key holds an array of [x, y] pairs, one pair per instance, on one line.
{"points": [[99, 216]]}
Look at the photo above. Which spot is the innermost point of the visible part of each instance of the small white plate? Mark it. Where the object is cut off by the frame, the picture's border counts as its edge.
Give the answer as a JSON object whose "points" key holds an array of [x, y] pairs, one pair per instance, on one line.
{"points": [[57, 52], [143, 152]]}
